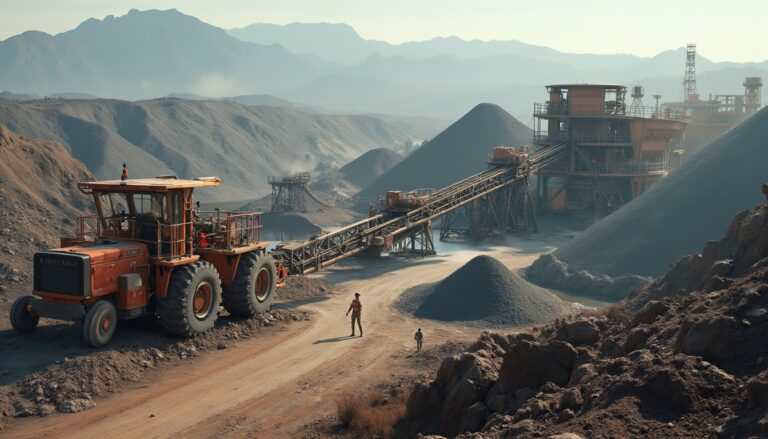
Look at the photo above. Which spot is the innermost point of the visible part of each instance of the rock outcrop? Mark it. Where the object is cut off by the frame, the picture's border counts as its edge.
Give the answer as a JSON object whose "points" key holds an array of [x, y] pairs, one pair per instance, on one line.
{"points": [[550, 272], [685, 357]]}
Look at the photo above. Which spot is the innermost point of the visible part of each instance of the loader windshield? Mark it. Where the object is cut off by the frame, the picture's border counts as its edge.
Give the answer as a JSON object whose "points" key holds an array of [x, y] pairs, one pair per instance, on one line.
{"points": [[113, 204]]}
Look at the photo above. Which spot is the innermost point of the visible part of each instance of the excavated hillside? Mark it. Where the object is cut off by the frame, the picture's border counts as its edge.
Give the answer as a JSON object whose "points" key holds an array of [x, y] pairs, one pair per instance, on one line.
{"points": [[238, 143], [39, 198], [364, 169], [690, 206], [459, 151], [684, 357]]}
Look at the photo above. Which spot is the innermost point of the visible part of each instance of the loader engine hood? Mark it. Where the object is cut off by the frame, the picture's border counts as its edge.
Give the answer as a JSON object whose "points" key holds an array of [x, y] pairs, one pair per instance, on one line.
{"points": [[68, 270]]}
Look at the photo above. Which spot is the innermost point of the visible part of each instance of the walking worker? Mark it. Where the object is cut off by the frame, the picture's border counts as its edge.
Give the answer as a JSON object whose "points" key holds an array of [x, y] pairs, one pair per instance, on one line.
{"points": [[419, 339], [356, 307], [124, 175]]}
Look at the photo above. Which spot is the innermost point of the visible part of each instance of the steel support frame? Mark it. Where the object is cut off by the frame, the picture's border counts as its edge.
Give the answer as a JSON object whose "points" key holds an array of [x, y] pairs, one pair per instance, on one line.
{"points": [[418, 241], [382, 231]]}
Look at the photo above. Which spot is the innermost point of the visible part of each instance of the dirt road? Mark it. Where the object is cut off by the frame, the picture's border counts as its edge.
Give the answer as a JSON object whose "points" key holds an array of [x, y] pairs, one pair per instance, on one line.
{"points": [[269, 387]]}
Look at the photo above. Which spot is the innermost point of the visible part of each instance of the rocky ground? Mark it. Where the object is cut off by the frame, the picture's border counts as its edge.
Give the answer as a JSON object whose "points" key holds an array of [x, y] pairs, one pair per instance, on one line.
{"points": [[684, 357], [61, 374], [380, 400]]}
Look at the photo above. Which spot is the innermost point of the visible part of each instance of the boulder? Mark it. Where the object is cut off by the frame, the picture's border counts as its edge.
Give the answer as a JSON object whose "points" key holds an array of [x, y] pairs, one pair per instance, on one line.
{"points": [[462, 381], [757, 390], [636, 338], [579, 332], [474, 418], [715, 339], [531, 364], [583, 371], [571, 399], [76, 405], [566, 415], [650, 312]]}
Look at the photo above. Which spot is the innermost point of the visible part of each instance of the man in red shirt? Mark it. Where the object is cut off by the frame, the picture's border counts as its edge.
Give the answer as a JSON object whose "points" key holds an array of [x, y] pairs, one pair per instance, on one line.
{"points": [[356, 307]]}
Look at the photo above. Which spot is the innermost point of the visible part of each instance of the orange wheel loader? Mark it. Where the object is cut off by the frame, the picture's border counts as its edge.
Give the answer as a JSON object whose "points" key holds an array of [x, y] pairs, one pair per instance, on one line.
{"points": [[148, 252]]}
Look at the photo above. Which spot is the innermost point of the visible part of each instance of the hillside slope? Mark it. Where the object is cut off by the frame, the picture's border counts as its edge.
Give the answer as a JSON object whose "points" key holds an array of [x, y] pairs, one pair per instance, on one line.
{"points": [[39, 199], [690, 206], [459, 151], [241, 144], [364, 169]]}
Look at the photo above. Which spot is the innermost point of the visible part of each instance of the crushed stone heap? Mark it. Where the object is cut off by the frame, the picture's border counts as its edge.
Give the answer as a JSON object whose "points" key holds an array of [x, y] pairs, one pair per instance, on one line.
{"points": [[483, 292]]}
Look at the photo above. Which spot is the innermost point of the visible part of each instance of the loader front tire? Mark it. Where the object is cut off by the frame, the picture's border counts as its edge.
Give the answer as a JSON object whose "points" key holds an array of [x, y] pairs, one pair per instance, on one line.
{"points": [[191, 304], [100, 323], [22, 319], [253, 289]]}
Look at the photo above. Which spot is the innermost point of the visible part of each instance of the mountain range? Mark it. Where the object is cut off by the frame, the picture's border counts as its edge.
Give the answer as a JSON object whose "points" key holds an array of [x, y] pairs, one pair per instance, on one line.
{"points": [[153, 53]]}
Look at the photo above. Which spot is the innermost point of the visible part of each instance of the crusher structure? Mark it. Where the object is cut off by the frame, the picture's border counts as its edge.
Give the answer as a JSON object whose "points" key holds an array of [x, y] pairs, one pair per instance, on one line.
{"points": [[615, 152]]}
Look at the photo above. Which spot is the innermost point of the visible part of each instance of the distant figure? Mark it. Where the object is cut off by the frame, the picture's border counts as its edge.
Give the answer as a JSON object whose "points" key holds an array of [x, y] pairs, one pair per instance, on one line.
{"points": [[765, 191], [124, 175], [356, 307], [419, 337]]}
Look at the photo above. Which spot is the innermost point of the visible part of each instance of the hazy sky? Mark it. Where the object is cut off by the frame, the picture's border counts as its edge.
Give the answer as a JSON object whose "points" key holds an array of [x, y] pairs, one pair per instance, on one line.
{"points": [[724, 30]]}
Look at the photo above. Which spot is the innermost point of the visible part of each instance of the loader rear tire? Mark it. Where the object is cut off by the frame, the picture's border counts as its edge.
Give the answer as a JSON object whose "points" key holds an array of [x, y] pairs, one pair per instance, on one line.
{"points": [[22, 319], [100, 323], [191, 304], [253, 289]]}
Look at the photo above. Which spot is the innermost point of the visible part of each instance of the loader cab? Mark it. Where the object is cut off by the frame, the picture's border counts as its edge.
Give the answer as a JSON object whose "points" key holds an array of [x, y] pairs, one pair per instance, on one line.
{"points": [[156, 212]]}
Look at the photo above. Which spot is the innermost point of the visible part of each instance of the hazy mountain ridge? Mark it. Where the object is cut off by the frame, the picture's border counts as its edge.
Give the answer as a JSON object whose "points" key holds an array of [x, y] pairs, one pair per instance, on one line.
{"points": [[148, 53], [241, 144], [330, 66]]}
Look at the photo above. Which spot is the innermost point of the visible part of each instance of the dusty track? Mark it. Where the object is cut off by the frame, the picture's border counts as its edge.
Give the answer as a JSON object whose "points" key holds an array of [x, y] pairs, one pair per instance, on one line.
{"points": [[269, 387]]}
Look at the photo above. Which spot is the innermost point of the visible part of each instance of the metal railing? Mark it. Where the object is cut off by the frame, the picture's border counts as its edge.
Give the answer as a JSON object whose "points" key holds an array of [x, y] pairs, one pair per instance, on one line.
{"points": [[224, 229], [608, 109], [218, 229], [622, 167], [597, 137]]}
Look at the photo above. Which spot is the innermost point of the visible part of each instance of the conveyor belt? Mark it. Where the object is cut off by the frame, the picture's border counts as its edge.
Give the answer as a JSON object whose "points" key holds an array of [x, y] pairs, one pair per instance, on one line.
{"points": [[304, 257]]}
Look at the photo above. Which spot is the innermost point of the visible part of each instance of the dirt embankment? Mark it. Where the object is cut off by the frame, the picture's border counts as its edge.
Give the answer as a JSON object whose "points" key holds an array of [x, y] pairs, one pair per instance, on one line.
{"points": [[40, 202], [686, 357]]}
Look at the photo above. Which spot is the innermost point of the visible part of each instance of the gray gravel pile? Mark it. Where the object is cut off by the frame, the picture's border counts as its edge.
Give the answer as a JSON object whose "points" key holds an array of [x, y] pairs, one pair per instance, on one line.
{"points": [[694, 204], [457, 152], [483, 292], [364, 169]]}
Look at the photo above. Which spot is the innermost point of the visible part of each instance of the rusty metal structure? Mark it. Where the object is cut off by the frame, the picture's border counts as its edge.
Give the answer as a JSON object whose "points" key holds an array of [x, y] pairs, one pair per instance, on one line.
{"points": [[690, 93], [288, 193], [707, 119], [411, 228], [613, 154]]}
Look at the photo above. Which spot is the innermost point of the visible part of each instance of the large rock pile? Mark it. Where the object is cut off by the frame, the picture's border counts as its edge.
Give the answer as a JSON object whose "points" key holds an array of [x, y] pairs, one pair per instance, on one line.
{"points": [[459, 151], [687, 358], [550, 272], [690, 206], [364, 169], [740, 251], [484, 292]]}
